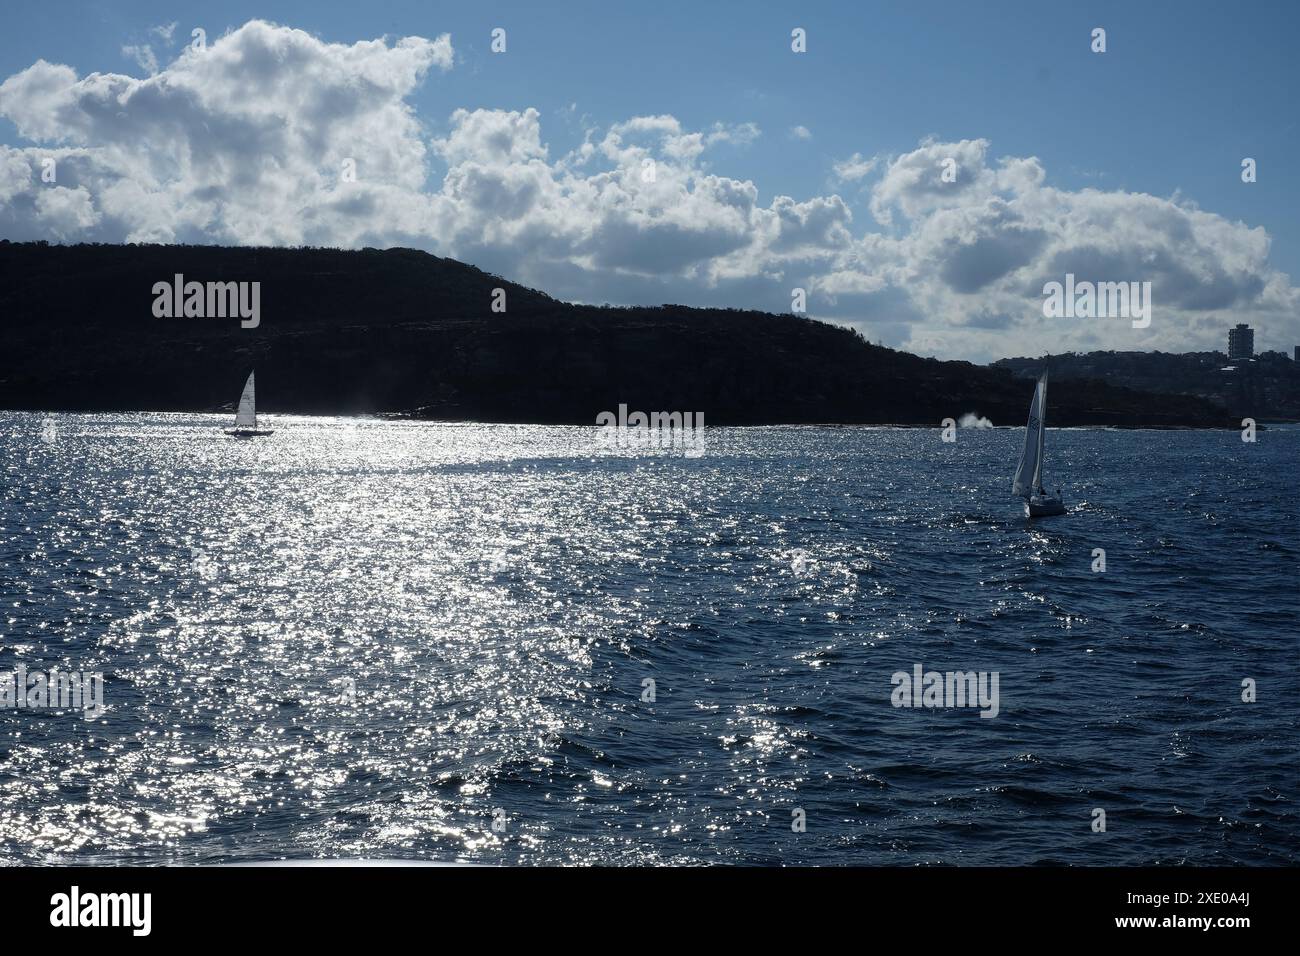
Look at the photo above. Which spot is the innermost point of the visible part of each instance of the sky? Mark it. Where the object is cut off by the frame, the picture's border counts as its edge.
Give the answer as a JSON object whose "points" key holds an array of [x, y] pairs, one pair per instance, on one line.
{"points": [[684, 152]]}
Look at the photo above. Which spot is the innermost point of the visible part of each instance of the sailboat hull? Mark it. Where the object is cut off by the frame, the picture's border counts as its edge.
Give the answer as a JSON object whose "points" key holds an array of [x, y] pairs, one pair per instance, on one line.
{"points": [[1041, 506], [248, 432]]}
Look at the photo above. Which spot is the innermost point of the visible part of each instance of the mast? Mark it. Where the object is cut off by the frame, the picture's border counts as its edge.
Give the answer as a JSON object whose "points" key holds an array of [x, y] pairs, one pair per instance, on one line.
{"points": [[1042, 431]]}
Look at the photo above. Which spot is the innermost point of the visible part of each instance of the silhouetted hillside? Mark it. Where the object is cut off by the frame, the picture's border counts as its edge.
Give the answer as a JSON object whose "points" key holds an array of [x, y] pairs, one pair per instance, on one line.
{"points": [[402, 331], [1265, 386]]}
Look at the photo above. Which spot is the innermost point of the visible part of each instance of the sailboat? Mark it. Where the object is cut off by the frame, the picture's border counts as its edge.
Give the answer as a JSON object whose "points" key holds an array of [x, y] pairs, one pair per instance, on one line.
{"points": [[1028, 483], [246, 417]]}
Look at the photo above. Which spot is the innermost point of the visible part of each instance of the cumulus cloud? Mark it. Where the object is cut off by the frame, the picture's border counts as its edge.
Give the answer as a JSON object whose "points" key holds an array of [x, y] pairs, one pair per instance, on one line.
{"points": [[249, 141], [242, 142], [66, 212], [983, 246]]}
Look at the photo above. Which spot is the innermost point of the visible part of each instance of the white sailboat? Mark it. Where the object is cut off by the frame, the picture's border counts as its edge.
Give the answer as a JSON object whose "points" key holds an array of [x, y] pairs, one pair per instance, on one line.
{"points": [[1028, 483], [246, 417]]}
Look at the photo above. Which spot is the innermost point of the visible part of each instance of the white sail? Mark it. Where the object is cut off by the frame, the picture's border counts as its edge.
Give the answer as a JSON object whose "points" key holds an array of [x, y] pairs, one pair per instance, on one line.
{"points": [[1029, 476], [246, 417]]}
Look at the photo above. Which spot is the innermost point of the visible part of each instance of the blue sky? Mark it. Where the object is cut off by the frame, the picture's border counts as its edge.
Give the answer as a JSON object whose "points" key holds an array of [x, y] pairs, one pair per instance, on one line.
{"points": [[1182, 94]]}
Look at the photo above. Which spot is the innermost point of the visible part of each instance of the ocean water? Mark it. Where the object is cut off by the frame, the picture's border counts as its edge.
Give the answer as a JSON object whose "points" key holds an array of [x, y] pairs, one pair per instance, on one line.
{"points": [[360, 638]]}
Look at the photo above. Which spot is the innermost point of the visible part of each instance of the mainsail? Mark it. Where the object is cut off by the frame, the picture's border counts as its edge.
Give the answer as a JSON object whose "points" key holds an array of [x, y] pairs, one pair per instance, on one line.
{"points": [[1029, 476], [246, 417]]}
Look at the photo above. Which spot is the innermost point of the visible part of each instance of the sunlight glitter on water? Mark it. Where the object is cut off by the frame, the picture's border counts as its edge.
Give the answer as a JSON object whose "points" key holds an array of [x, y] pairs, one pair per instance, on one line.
{"points": [[366, 638]]}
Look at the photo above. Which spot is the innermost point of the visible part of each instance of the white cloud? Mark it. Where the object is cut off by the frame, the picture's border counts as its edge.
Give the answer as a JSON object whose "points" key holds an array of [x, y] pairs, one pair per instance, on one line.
{"points": [[241, 142], [245, 142], [800, 132], [144, 57], [65, 212], [854, 168], [165, 31]]}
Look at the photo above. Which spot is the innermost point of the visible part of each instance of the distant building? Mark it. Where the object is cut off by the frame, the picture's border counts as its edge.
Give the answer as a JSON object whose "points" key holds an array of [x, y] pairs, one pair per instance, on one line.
{"points": [[1241, 342]]}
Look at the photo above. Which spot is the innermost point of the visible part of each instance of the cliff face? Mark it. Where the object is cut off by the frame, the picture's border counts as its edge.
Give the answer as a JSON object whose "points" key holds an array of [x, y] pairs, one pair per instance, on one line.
{"points": [[400, 331]]}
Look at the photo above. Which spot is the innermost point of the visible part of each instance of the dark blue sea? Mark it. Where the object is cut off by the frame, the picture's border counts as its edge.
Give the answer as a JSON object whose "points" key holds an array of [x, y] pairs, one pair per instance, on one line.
{"points": [[397, 640]]}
